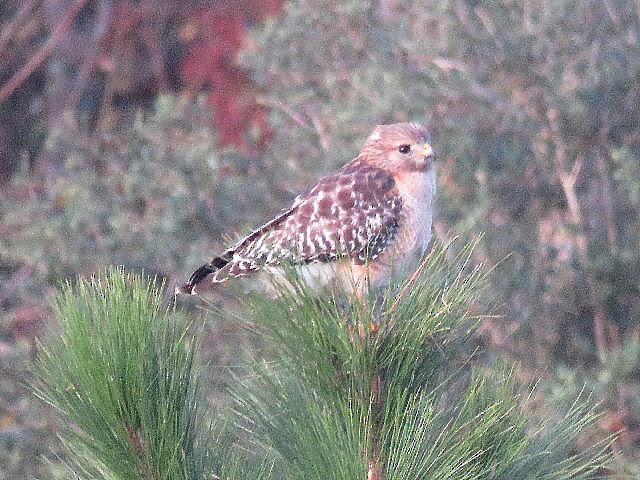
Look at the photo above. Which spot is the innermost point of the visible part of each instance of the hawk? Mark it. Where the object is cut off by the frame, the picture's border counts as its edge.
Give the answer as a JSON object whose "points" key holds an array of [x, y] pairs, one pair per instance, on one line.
{"points": [[354, 229]]}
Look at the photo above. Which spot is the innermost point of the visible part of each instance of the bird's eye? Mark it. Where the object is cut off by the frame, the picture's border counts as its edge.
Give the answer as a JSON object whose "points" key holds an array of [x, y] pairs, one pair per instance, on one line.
{"points": [[404, 148]]}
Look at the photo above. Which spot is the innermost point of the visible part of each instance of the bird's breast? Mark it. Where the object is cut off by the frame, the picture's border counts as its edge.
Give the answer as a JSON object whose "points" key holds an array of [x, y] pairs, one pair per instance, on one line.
{"points": [[414, 226]]}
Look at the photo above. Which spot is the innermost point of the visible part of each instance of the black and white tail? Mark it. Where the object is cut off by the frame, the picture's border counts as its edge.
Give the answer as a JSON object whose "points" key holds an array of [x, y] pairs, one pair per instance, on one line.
{"points": [[201, 274]]}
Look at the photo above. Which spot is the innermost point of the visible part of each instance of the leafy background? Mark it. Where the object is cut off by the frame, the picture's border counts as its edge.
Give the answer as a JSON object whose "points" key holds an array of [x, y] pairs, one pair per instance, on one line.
{"points": [[153, 130]]}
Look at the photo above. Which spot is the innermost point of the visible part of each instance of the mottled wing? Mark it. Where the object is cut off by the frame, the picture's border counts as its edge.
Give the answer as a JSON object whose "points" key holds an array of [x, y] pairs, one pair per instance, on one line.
{"points": [[352, 213]]}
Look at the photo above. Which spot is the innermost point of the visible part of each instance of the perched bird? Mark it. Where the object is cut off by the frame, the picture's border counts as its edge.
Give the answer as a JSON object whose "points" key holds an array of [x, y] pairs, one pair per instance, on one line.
{"points": [[354, 229]]}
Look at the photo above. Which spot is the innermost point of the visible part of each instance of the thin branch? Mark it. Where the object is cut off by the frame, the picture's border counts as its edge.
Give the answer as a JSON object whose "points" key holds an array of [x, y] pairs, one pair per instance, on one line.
{"points": [[487, 23], [446, 64], [7, 32], [137, 443], [103, 20], [293, 115], [568, 182], [36, 60], [567, 179], [323, 138]]}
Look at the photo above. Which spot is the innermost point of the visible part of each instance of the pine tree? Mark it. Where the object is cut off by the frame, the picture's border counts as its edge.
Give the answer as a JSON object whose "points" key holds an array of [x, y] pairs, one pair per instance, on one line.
{"points": [[342, 388], [122, 374], [384, 388]]}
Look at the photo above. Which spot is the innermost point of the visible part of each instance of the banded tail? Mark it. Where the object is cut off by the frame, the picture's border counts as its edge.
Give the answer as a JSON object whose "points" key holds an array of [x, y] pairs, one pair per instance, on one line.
{"points": [[200, 275]]}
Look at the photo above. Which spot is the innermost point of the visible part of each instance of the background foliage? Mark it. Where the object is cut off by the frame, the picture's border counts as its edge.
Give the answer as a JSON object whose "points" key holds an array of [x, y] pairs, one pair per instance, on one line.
{"points": [[108, 157]]}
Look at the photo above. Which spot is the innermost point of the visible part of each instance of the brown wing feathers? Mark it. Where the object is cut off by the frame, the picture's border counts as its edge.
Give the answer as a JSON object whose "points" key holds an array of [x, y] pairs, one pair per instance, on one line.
{"points": [[352, 213]]}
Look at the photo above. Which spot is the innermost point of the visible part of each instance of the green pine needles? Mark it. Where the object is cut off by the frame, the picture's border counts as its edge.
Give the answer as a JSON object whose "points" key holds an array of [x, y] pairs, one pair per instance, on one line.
{"points": [[383, 389], [122, 371], [342, 388]]}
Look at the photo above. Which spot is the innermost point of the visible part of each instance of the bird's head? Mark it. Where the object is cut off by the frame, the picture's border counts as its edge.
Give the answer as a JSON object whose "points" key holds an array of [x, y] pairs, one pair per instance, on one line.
{"points": [[401, 147]]}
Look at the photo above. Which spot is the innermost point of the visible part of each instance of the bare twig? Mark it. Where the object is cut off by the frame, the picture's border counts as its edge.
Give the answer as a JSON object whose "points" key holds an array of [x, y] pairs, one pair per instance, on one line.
{"points": [[568, 182], [604, 331], [103, 19], [293, 115], [447, 64], [486, 20], [41, 55], [137, 443], [323, 138], [7, 31]]}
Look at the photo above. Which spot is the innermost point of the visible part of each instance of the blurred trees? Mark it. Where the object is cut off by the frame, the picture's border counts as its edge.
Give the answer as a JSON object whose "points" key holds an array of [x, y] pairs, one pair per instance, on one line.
{"points": [[105, 59], [19, 130]]}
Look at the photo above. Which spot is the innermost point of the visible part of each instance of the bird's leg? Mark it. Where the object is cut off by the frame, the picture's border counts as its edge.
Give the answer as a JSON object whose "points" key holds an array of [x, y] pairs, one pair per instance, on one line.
{"points": [[362, 291]]}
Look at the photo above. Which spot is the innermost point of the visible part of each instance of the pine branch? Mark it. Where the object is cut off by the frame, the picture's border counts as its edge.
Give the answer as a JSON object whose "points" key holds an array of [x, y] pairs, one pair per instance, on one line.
{"points": [[391, 402], [123, 372]]}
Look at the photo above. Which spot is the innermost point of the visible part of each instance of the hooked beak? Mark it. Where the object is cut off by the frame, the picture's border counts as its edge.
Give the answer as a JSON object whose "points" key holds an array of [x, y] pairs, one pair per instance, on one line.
{"points": [[426, 155], [426, 151]]}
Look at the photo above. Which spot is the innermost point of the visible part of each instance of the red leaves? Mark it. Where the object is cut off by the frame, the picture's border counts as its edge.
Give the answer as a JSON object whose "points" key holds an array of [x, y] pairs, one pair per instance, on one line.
{"points": [[211, 64]]}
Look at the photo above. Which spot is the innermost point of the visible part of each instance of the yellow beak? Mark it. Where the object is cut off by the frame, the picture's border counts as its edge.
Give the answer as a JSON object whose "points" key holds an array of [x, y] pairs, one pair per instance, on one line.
{"points": [[426, 150]]}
